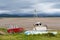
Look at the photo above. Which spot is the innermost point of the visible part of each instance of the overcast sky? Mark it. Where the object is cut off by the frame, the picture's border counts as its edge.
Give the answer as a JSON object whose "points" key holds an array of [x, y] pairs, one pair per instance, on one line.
{"points": [[28, 6]]}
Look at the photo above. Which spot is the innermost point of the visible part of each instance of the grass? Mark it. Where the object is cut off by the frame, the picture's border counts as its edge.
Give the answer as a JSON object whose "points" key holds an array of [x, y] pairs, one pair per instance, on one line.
{"points": [[22, 36]]}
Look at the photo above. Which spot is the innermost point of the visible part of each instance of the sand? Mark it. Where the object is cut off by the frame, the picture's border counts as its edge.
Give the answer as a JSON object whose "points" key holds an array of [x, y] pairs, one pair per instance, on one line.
{"points": [[27, 23]]}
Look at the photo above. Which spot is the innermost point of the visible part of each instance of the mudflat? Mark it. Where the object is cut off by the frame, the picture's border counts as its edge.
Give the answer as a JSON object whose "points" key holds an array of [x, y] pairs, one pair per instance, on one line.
{"points": [[27, 23]]}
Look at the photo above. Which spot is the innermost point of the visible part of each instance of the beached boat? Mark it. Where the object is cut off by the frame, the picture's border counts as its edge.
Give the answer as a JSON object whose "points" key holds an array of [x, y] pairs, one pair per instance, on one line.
{"points": [[39, 28], [14, 29]]}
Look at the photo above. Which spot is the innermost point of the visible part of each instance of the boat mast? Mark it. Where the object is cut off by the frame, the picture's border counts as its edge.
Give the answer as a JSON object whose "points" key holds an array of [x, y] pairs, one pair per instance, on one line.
{"points": [[35, 15]]}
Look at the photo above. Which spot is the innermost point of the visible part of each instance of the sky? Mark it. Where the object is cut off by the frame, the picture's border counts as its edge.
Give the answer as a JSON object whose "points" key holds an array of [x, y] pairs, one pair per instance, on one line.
{"points": [[28, 6]]}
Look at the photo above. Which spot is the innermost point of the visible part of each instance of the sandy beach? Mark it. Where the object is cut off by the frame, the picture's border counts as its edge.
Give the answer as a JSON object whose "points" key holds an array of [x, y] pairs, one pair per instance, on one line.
{"points": [[27, 23]]}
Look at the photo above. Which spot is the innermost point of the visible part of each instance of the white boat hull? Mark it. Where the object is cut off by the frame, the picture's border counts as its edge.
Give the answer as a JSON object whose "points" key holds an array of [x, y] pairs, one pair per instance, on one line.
{"points": [[38, 32]]}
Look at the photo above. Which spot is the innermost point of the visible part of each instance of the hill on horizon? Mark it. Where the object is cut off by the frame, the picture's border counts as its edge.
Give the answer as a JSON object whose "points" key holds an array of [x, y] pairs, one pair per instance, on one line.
{"points": [[30, 15]]}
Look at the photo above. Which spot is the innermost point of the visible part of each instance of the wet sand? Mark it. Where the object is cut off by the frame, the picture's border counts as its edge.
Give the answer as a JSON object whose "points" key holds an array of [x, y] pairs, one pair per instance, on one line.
{"points": [[27, 23]]}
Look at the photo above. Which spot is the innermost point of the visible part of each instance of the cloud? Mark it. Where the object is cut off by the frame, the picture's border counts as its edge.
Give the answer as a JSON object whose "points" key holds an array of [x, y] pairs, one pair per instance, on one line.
{"points": [[4, 11], [51, 1], [46, 8], [26, 10], [16, 4], [27, 6], [57, 6]]}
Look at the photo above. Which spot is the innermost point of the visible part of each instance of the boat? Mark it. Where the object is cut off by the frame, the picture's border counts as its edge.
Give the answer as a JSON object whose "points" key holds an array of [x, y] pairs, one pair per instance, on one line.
{"points": [[14, 29], [39, 28]]}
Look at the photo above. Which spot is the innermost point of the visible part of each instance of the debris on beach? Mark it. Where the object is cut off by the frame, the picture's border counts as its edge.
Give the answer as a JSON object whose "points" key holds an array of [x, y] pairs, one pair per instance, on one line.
{"points": [[2, 33]]}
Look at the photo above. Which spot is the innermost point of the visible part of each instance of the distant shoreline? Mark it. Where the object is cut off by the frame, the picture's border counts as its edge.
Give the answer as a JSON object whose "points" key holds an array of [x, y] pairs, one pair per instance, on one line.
{"points": [[29, 17]]}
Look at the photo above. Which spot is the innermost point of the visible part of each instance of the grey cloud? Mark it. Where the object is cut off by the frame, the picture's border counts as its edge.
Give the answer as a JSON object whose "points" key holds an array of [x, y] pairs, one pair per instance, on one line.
{"points": [[18, 4], [57, 6], [15, 4], [24, 4], [49, 1]]}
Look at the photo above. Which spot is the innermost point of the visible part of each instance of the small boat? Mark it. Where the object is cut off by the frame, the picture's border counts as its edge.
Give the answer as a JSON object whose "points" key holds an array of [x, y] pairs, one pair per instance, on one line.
{"points": [[15, 29]]}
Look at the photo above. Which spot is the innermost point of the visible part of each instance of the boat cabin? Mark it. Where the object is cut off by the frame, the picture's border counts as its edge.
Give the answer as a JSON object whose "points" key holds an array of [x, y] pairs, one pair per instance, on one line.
{"points": [[39, 26]]}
